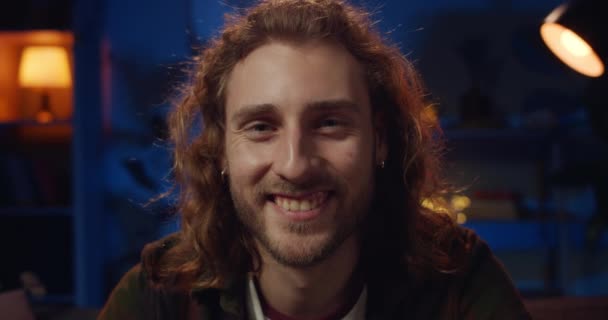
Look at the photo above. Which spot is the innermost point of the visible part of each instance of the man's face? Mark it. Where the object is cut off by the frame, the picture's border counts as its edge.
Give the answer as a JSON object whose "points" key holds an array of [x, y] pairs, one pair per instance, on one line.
{"points": [[299, 148]]}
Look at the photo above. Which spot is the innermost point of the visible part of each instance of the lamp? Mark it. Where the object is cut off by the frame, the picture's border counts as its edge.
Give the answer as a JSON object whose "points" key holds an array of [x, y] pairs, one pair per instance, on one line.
{"points": [[43, 68], [574, 32]]}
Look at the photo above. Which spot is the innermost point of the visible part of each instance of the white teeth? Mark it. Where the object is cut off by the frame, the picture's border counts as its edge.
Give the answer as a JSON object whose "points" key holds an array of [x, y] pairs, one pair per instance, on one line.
{"points": [[294, 205], [305, 205], [313, 202]]}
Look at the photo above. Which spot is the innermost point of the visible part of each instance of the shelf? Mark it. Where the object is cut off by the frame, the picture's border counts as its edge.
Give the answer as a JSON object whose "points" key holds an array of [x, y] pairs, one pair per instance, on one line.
{"points": [[514, 133], [498, 143], [32, 123], [36, 211], [53, 299], [32, 132], [531, 234], [495, 134], [509, 143]]}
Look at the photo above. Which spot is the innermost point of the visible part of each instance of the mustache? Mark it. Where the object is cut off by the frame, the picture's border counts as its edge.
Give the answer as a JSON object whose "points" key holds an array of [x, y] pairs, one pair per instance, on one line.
{"points": [[278, 185]]}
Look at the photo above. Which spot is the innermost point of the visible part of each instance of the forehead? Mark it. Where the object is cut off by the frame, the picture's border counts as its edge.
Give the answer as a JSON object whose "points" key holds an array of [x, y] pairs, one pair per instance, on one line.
{"points": [[293, 75]]}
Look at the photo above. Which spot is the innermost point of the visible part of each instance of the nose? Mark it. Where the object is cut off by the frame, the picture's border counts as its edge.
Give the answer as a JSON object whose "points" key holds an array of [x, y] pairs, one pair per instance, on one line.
{"points": [[295, 156]]}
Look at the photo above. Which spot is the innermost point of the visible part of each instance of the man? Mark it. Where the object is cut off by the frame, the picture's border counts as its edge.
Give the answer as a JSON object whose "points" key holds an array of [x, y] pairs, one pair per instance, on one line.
{"points": [[301, 196]]}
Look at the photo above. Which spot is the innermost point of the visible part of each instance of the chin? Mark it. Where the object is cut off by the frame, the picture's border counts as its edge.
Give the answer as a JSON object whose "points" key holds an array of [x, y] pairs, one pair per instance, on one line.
{"points": [[301, 250]]}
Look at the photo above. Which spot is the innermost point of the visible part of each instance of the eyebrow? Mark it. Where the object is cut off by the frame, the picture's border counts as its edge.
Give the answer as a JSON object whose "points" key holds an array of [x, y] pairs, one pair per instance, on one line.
{"points": [[335, 105], [250, 111]]}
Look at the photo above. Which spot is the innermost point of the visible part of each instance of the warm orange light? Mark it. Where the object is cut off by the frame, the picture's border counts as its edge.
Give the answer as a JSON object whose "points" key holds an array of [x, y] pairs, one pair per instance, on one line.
{"points": [[572, 49], [5, 111], [45, 67], [44, 116], [574, 44], [461, 218], [460, 202]]}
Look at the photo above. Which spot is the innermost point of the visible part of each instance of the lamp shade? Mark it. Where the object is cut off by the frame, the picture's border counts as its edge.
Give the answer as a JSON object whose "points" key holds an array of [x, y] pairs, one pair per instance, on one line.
{"points": [[45, 67], [575, 33]]}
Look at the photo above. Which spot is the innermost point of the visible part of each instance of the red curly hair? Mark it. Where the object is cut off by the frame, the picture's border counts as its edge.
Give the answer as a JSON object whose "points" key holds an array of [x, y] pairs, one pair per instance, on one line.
{"points": [[212, 244]]}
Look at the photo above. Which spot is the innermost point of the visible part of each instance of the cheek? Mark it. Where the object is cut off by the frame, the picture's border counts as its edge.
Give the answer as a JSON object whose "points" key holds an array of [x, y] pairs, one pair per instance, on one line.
{"points": [[352, 159], [246, 162]]}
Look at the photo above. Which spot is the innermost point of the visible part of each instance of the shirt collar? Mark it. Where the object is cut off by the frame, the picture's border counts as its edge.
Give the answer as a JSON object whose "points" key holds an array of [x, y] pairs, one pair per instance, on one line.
{"points": [[254, 306]]}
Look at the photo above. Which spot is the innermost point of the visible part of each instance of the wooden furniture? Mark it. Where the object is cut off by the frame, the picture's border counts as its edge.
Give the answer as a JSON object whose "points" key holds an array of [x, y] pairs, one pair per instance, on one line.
{"points": [[569, 308]]}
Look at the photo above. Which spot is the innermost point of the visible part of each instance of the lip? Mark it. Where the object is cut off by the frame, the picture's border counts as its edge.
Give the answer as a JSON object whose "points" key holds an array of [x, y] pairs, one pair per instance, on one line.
{"points": [[299, 196], [299, 216]]}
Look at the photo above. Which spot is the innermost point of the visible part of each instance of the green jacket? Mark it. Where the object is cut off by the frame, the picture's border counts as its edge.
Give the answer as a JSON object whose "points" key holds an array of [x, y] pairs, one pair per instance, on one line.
{"points": [[485, 291]]}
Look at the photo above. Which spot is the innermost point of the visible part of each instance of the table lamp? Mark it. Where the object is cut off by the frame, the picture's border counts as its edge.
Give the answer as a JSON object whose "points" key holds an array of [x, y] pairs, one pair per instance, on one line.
{"points": [[44, 68]]}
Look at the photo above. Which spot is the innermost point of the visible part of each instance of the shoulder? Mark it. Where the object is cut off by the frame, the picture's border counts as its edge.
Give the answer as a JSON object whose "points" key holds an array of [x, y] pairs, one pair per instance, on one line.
{"points": [[478, 287], [484, 289], [476, 249], [154, 253], [136, 296], [480, 260], [128, 297]]}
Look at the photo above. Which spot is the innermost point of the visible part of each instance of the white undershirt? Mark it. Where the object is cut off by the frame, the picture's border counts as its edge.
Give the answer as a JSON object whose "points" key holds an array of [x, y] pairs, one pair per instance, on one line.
{"points": [[254, 306]]}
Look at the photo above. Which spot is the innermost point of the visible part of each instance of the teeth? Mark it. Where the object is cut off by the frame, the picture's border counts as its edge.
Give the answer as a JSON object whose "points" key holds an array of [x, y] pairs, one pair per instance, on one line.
{"points": [[313, 202], [305, 205], [294, 205]]}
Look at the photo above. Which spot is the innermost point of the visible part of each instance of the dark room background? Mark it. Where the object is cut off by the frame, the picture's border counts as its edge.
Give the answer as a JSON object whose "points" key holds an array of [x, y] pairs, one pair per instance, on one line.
{"points": [[517, 121]]}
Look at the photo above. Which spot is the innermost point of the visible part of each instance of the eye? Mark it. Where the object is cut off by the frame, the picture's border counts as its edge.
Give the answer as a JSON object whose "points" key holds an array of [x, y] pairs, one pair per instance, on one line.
{"points": [[260, 127], [335, 127], [330, 122], [259, 130]]}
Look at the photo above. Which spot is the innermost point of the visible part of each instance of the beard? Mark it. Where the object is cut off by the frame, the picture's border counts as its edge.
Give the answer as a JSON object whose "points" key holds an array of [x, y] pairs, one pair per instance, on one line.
{"points": [[302, 244]]}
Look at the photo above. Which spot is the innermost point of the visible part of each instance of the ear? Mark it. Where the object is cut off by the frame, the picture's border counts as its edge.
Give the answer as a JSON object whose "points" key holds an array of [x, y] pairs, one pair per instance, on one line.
{"points": [[380, 139]]}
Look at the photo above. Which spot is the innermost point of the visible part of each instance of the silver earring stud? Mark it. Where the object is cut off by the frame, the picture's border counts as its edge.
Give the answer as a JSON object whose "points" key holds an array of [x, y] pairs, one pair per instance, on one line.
{"points": [[382, 164]]}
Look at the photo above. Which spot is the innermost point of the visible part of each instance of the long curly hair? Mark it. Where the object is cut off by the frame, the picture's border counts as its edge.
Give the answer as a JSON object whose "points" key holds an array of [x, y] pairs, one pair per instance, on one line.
{"points": [[213, 245]]}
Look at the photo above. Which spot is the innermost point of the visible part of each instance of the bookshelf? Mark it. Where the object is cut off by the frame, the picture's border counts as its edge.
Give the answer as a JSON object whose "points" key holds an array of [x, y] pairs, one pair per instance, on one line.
{"points": [[528, 166], [36, 171]]}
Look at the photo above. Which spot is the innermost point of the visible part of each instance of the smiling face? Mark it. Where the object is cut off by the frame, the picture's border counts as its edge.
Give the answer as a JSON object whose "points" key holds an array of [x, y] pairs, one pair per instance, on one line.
{"points": [[300, 149]]}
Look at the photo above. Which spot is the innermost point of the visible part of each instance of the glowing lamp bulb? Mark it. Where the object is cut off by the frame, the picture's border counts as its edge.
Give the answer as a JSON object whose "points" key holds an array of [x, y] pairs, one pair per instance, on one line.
{"points": [[572, 49], [574, 44]]}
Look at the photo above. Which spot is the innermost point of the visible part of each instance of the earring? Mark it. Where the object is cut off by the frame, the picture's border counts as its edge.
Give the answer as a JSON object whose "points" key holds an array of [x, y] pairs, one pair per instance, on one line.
{"points": [[382, 164], [223, 174]]}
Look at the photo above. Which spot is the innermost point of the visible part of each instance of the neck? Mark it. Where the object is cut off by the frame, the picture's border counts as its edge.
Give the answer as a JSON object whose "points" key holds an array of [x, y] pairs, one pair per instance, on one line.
{"points": [[314, 291]]}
